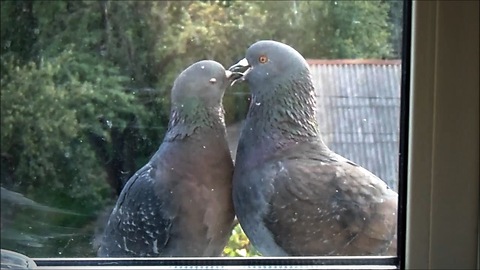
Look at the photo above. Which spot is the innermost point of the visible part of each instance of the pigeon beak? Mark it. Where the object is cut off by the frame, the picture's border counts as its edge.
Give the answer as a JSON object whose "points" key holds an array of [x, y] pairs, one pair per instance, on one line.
{"points": [[233, 76], [240, 65], [239, 71]]}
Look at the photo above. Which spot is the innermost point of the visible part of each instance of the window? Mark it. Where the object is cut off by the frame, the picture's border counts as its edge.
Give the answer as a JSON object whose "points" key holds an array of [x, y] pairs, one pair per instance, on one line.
{"points": [[85, 103]]}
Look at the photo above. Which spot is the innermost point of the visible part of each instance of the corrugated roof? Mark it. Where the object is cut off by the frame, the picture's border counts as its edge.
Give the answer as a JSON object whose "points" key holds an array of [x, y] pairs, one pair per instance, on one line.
{"points": [[358, 112]]}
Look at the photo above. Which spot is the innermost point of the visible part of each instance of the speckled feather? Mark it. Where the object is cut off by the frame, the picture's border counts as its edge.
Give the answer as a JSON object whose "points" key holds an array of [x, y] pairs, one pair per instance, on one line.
{"points": [[292, 194], [179, 203]]}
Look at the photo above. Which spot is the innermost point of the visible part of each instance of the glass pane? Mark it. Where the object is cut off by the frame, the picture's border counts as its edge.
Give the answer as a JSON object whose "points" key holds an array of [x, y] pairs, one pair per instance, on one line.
{"points": [[86, 103]]}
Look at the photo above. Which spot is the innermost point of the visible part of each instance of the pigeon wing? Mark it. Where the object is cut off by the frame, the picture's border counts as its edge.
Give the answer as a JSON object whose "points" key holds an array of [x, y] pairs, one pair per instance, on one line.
{"points": [[141, 221], [330, 205]]}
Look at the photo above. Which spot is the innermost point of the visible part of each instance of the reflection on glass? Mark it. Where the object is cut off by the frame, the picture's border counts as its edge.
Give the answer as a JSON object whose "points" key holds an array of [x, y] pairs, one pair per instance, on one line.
{"points": [[85, 98]]}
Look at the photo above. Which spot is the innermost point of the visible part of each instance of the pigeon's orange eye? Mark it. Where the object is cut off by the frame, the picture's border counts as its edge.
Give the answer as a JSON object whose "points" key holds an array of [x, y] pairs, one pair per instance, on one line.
{"points": [[262, 59]]}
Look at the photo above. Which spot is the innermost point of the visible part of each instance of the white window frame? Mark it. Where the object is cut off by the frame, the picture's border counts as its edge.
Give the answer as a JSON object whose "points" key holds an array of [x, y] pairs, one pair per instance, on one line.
{"points": [[443, 179]]}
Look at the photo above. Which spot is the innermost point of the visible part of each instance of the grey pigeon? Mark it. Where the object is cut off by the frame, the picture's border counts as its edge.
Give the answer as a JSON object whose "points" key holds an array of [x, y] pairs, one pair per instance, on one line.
{"points": [[180, 203], [292, 194]]}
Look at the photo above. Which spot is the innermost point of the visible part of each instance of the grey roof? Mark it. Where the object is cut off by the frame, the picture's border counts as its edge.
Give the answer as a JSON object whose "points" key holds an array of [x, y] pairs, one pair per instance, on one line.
{"points": [[358, 112]]}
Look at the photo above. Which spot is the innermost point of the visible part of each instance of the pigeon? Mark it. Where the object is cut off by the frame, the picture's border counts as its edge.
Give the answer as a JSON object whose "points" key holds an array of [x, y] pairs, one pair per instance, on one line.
{"points": [[292, 195], [180, 204]]}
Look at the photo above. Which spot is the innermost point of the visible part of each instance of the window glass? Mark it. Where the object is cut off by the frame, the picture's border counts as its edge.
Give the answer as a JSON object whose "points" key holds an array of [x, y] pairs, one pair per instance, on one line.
{"points": [[86, 99]]}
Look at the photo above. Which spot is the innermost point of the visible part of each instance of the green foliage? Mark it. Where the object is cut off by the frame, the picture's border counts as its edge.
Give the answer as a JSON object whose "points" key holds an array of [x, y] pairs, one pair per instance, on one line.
{"points": [[238, 245], [85, 88], [45, 110], [332, 29], [17, 33], [395, 19]]}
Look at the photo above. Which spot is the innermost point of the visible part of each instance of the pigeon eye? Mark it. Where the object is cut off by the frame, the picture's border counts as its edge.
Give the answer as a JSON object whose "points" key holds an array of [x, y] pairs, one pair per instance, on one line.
{"points": [[262, 59]]}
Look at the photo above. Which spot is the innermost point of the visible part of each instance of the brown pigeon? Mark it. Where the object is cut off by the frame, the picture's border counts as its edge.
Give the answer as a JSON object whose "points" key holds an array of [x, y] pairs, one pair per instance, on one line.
{"points": [[292, 194], [180, 203]]}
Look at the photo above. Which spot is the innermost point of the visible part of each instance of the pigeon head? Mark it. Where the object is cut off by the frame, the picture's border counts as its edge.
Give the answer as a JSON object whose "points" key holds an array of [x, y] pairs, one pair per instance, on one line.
{"points": [[197, 95], [201, 84], [283, 96], [270, 63]]}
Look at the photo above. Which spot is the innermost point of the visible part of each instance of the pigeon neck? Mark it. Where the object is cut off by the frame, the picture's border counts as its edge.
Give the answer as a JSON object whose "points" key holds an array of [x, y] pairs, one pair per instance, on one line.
{"points": [[287, 111], [187, 122], [279, 120]]}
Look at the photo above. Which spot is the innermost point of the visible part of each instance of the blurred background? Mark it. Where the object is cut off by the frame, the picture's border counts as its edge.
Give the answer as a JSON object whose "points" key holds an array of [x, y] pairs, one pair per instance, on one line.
{"points": [[85, 99]]}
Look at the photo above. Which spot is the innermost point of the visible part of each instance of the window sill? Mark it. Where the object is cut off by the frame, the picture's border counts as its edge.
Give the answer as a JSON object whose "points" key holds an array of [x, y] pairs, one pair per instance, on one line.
{"points": [[374, 262]]}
